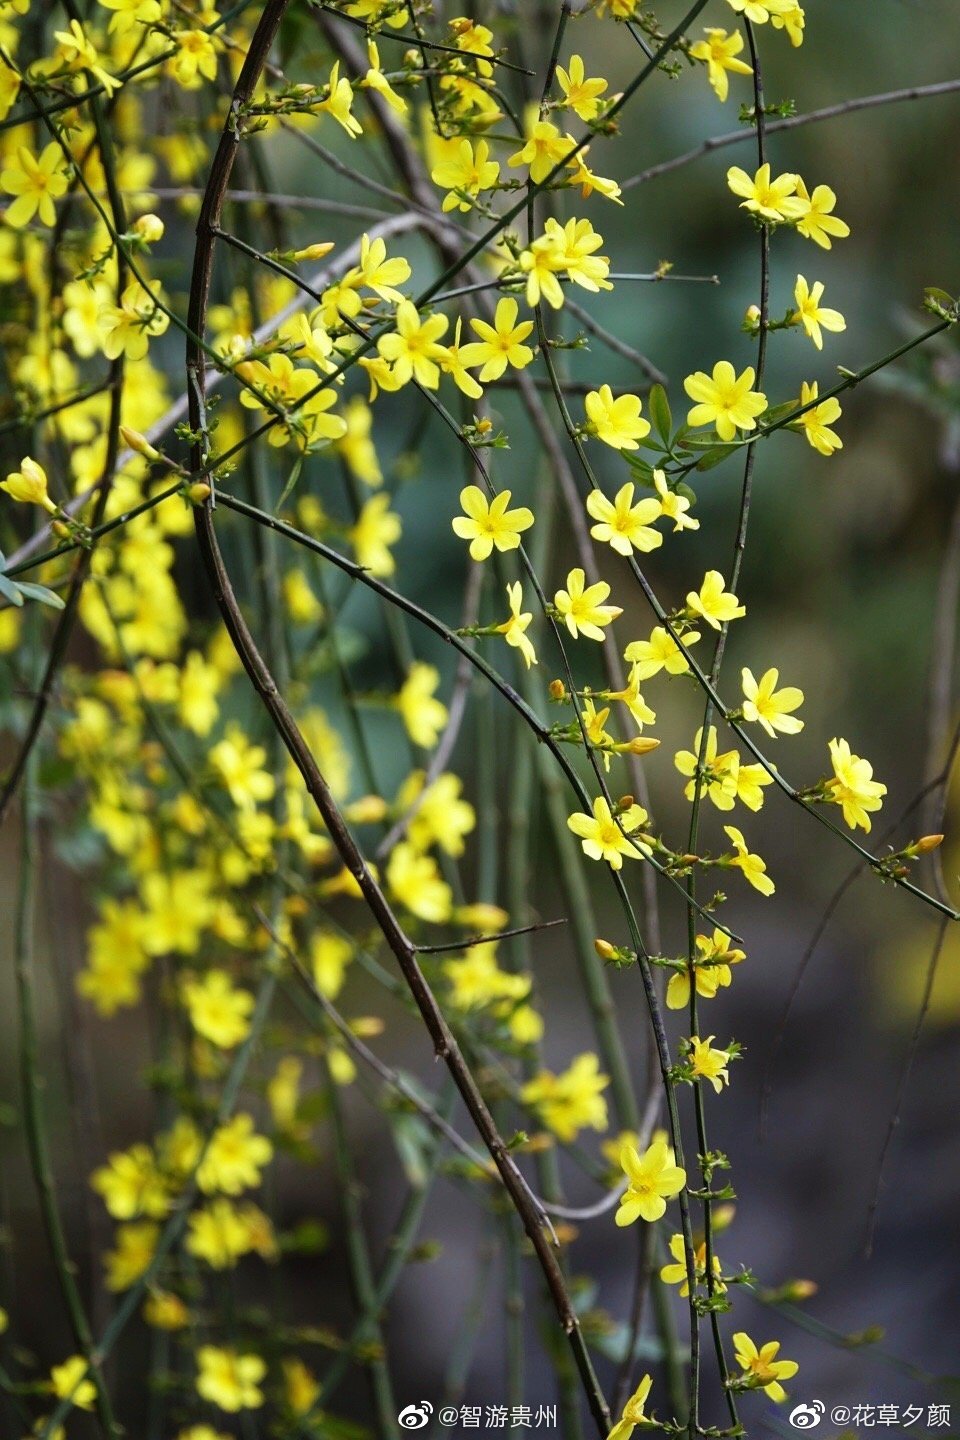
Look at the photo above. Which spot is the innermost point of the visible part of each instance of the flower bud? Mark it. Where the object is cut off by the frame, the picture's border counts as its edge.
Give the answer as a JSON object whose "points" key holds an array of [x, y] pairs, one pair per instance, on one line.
{"points": [[197, 492], [641, 745], [605, 950], [61, 530], [29, 485], [558, 691], [751, 318], [926, 843], [135, 441], [314, 252], [149, 228]]}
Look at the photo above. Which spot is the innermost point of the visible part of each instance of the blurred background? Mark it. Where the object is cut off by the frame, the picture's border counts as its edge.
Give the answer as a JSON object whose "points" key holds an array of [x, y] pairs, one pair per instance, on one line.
{"points": [[847, 586]]}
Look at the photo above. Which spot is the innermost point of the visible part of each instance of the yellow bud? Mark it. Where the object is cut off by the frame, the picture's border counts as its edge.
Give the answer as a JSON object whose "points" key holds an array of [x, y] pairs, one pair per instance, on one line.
{"points": [[368, 810], [197, 492], [605, 950], [723, 1217], [926, 843], [624, 803], [61, 530], [139, 443], [149, 228], [29, 485], [751, 317], [558, 691], [800, 1289], [642, 745], [367, 1027], [484, 426], [314, 252]]}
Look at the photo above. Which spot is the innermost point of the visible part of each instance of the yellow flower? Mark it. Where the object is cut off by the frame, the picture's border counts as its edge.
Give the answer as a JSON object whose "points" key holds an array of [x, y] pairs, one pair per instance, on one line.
{"points": [[673, 505], [376, 529], [580, 606], [767, 706], [514, 630], [229, 1380], [416, 883], [616, 422], [713, 603], [812, 315], [604, 837], [775, 200], [29, 485], [128, 327], [571, 1101], [653, 1178], [489, 524], [464, 173], [165, 1311], [579, 93], [676, 1274], [338, 102], [195, 60], [218, 1011], [423, 715], [356, 446], [817, 221], [753, 867], [541, 264], [302, 605], [724, 399], [709, 1063], [791, 19], [545, 148], [719, 772], [233, 1158], [816, 421], [67, 1382], [219, 1235], [131, 1185], [440, 814], [624, 526], [711, 970], [128, 13], [239, 767], [375, 79], [500, 344], [718, 52], [761, 1367], [634, 1413], [660, 652], [413, 349], [135, 1248], [853, 786], [330, 955], [300, 1385], [36, 181]]}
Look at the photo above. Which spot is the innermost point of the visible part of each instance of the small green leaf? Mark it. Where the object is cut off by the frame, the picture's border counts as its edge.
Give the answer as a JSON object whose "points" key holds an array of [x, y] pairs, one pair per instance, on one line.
{"points": [[42, 594], [716, 456], [10, 591], [660, 413]]}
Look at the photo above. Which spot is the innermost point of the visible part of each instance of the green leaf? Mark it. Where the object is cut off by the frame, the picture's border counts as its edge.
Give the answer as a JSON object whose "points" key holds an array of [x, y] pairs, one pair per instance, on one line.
{"points": [[292, 479], [660, 413], [777, 412], [42, 594], [10, 591], [716, 456]]}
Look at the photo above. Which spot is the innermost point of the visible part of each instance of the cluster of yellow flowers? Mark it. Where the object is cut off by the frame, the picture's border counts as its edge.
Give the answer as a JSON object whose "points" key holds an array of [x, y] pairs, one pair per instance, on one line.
{"points": [[215, 881]]}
